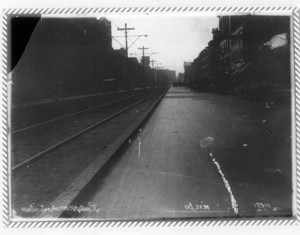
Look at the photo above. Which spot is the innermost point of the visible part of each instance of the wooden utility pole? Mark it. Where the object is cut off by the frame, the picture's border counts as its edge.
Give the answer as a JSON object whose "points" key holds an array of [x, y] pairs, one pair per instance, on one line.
{"points": [[152, 61], [144, 72], [126, 48]]}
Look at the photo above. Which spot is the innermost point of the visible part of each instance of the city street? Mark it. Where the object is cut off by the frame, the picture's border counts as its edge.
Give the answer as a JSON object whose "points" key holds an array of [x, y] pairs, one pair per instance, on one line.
{"points": [[150, 117], [199, 155]]}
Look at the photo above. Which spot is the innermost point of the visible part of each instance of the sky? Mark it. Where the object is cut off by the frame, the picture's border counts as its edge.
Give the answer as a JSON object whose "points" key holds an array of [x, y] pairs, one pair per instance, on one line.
{"points": [[175, 39]]}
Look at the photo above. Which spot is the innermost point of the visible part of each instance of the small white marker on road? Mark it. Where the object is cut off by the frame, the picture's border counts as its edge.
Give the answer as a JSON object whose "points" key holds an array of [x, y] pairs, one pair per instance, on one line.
{"points": [[204, 143], [140, 143]]}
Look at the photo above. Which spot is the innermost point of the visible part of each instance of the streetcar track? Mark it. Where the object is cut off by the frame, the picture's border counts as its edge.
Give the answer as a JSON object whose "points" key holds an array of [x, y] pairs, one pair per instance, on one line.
{"points": [[64, 141], [71, 114]]}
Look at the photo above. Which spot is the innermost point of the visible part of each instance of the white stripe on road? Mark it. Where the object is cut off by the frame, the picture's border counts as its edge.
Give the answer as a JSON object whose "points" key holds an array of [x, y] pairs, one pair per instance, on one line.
{"points": [[139, 153], [205, 143], [234, 204]]}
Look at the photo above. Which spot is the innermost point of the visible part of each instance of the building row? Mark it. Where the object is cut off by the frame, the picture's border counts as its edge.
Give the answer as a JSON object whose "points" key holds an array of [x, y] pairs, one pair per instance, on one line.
{"points": [[74, 56], [245, 51]]}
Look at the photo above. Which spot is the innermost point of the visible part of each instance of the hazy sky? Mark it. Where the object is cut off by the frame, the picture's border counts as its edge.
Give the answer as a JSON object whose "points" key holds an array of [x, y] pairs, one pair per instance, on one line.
{"points": [[175, 38]]}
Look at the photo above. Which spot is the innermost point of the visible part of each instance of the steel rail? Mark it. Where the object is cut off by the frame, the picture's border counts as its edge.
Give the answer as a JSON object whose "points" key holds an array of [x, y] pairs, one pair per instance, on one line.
{"points": [[71, 114], [64, 141]]}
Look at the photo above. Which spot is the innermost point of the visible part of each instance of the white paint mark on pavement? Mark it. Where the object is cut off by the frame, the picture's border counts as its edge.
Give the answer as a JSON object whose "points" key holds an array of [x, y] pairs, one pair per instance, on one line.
{"points": [[234, 204], [140, 143], [245, 145], [204, 143]]}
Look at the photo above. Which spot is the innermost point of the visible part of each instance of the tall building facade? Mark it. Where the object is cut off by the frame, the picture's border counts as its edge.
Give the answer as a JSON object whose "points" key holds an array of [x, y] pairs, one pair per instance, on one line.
{"points": [[240, 54], [187, 73], [205, 68], [64, 56]]}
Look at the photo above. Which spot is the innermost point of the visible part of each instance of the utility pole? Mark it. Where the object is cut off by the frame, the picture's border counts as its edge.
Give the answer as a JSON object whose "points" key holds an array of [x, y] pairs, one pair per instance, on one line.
{"points": [[152, 61], [144, 74], [126, 48], [158, 71]]}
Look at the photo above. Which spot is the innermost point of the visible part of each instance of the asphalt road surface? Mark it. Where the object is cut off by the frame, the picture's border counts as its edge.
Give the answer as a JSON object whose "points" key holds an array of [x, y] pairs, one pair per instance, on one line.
{"points": [[199, 155]]}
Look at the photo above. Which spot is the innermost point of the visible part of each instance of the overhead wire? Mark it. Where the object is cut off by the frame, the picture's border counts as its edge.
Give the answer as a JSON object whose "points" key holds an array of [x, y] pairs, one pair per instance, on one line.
{"points": [[133, 43]]}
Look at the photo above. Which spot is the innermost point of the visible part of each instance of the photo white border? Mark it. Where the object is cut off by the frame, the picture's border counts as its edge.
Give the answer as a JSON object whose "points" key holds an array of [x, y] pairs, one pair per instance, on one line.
{"points": [[183, 7]]}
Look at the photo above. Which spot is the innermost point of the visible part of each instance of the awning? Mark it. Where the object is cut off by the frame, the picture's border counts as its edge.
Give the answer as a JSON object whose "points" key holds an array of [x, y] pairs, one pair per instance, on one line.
{"points": [[277, 41]]}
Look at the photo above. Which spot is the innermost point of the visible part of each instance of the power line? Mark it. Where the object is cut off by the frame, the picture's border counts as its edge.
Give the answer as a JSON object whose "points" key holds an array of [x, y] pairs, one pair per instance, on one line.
{"points": [[117, 41], [114, 23], [153, 61], [132, 43], [126, 48], [144, 74], [138, 36], [126, 32]]}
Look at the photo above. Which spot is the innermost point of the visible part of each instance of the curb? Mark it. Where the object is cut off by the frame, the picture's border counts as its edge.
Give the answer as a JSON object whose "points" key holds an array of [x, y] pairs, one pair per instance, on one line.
{"points": [[80, 183]]}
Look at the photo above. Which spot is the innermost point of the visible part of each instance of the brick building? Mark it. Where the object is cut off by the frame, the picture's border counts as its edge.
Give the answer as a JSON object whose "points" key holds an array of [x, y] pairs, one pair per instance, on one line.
{"points": [[240, 56], [64, 56], [187, 73], [244, 55], [205, 74]]}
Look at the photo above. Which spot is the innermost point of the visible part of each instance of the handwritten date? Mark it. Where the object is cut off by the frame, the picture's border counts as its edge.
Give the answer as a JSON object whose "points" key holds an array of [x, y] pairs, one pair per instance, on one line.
{"points": [[196, 207], [262, 205]]}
